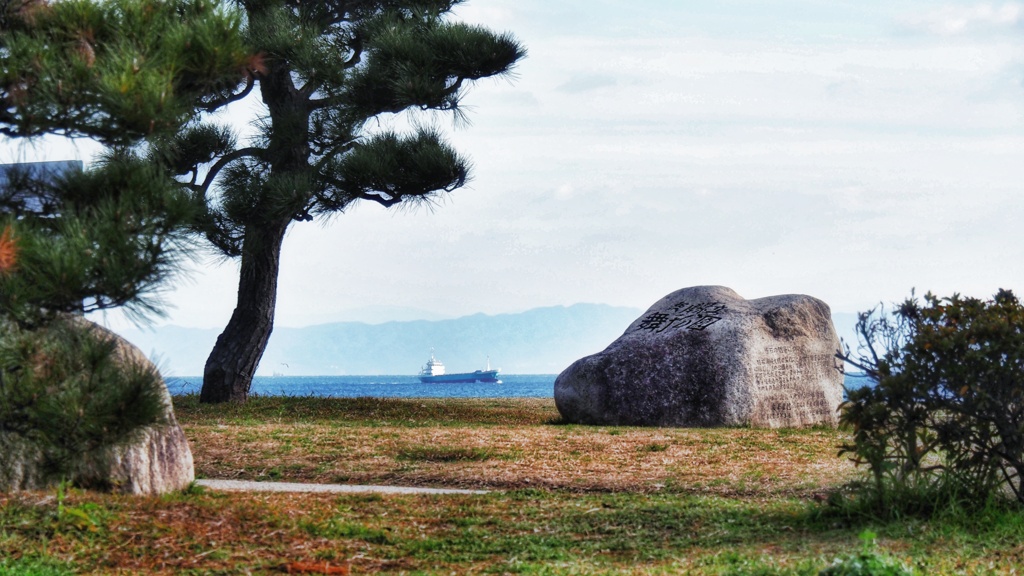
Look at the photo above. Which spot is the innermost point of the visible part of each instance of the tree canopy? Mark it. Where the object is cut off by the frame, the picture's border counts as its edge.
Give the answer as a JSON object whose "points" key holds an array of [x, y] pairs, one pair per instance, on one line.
{"points": [[122, 72], [323, 71]]}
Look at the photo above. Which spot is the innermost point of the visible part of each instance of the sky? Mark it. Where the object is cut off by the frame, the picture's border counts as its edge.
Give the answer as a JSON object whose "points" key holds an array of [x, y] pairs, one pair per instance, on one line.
{"points": [[851, 150]]}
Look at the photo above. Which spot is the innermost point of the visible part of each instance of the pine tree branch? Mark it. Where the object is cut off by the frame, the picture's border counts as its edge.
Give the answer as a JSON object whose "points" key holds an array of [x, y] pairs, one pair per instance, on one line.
{"points": [[250, 83], [322, 103], [385, 202], [357, 53], [445, 100], [391, 200], [251, 151], [309, 88], [331, 153], [356, 46]]}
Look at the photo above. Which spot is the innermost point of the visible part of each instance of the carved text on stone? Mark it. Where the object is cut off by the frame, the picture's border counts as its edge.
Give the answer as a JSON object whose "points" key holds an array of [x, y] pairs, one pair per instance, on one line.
{"points": [[684, 315], [787, 381]]}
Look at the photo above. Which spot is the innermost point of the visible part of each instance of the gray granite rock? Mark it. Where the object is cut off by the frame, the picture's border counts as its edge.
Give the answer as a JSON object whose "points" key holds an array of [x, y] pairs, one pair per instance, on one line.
{"points": [[156, 461], [704, 356]]}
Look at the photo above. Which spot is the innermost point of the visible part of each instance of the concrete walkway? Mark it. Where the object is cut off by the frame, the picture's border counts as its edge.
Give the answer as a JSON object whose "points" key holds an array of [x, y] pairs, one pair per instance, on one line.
{"points": [[249, 486]]}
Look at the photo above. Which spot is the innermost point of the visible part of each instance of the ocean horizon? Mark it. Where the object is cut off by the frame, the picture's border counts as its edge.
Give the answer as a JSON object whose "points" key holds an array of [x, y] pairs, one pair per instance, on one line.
{"points": [[384, 386], [400, 386]]}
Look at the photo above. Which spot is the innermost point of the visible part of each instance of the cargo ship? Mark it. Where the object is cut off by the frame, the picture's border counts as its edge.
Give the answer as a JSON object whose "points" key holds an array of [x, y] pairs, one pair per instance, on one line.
{"points": [[433, 373]]}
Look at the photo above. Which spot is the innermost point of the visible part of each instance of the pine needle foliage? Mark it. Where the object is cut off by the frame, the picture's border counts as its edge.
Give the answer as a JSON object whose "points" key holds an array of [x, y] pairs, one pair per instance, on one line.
{"points": [[113, 70], [124, 73], [92, 240], [66, 389]]}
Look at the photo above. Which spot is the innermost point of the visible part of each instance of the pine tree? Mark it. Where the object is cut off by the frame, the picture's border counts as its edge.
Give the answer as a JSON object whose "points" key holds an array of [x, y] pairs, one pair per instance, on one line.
{"points": [[323, 70], [122, 72]]}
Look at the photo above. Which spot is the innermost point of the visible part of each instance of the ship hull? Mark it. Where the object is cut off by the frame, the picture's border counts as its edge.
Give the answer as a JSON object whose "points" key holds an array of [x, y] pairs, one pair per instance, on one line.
{"points": [[478, 376]]}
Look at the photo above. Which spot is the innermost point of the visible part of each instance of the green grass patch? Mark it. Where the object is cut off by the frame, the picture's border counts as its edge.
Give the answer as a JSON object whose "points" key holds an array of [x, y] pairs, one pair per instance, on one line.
{"points": [[34, 567], [338, 528], [521, 532], [445, 454]]}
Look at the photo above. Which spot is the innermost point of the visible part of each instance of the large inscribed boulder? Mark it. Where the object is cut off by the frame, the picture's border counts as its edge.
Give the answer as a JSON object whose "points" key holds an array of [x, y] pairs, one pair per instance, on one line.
{"points": [[156, 460], [704, 356]]}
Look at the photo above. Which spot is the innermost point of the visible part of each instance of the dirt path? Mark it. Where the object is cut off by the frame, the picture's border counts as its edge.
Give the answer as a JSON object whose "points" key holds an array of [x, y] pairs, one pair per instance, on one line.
{"points": [[248, 486]]}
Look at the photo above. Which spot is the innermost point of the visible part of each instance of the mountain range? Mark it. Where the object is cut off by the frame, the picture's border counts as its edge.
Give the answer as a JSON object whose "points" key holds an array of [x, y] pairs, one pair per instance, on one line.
{"points": [[538, 341]]}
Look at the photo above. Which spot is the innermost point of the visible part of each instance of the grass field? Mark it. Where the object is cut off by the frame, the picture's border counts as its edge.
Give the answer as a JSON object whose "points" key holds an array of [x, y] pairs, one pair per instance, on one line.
{"points": [[564, 500]]}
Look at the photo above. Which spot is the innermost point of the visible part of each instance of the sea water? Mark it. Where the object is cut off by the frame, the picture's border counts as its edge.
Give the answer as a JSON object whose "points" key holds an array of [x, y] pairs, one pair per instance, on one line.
{"points": [[511, 386]]}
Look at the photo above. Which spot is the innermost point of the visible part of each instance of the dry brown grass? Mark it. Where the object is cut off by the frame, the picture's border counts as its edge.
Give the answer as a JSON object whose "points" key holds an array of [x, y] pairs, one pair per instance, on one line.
{"points": [[212, 534], [462, 452], [611, 500]]}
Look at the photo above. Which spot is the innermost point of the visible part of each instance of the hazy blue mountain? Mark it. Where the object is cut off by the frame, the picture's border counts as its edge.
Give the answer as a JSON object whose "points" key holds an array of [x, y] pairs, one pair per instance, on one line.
{"points": [[538, 341], [373, 314]]}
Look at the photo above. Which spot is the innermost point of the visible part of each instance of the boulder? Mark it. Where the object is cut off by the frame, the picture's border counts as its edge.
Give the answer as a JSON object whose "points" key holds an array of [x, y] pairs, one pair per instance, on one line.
{"points": [[157, 460], [704, 356]]}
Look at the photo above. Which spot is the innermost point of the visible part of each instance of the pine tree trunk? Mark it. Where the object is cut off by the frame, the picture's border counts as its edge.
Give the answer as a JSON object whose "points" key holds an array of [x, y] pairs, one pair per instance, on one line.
{"points": [[233, 361], [232, 364]]}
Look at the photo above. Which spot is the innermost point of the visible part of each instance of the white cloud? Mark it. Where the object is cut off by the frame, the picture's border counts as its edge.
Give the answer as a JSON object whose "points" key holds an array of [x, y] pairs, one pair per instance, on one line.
{"points": [[484, 12], [587, 83], [565, 192], [792, 152], [980, 18]]}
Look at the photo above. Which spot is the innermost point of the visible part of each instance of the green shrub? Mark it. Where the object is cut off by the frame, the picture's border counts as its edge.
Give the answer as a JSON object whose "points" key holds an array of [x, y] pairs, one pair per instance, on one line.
{"points": [[944, 419]]}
